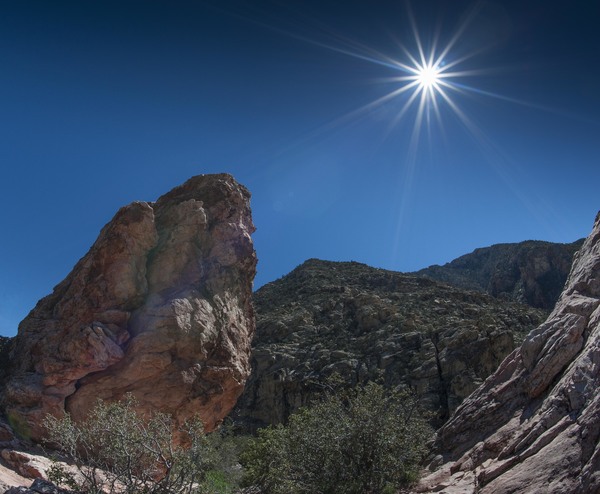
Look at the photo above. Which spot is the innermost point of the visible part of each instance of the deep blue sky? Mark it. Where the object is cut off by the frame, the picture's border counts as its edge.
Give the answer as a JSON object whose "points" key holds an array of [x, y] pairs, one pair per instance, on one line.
{"points": [[107, 102]]}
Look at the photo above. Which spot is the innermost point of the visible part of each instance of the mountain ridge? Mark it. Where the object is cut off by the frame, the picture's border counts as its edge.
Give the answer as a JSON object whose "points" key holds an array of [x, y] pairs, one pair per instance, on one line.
{"points": [[532, 272]]}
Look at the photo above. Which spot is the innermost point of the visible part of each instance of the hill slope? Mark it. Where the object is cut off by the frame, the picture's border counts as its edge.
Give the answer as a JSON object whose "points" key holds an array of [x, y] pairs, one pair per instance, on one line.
{"points": [[365, 323]]}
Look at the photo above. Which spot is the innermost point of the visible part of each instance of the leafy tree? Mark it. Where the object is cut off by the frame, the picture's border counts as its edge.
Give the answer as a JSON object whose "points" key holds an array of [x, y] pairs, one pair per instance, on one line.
{"points": [[116, 450], [366, 440]]}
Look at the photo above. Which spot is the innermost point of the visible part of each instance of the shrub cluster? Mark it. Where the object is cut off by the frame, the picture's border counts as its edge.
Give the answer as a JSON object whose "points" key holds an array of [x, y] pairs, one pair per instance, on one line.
{"points": [[117, 451], [365, 440]]}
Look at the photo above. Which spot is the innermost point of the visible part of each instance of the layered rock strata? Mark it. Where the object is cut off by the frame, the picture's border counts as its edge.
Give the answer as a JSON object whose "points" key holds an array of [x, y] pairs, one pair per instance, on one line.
{"points": [[159, 307], [534, 425], [365, 324]]}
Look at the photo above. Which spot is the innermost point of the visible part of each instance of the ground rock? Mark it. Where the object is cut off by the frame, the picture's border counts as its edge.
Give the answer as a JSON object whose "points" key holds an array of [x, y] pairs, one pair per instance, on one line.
{"points": [[364, 323], [159, 307], [534, 426], [39, 486]]}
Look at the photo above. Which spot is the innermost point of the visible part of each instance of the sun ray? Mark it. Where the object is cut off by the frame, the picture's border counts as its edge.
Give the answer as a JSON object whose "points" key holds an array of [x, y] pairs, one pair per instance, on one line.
{"points": [[459, 32], [403, 110], [413, 24]]}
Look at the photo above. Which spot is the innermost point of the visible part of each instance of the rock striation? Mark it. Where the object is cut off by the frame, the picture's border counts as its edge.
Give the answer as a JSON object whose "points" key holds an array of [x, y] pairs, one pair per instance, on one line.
{"points": [[531, 272], [159, 307], [534, 425], [371, 324]]}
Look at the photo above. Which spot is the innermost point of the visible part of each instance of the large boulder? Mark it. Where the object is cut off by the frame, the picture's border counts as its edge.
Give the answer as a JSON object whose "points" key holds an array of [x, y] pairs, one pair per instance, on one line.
{"points": [[159, 307], [534, 425]]}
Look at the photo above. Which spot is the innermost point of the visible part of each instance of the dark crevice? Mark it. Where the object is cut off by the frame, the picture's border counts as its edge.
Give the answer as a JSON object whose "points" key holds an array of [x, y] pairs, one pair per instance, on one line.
{"points": [[445, 407]]}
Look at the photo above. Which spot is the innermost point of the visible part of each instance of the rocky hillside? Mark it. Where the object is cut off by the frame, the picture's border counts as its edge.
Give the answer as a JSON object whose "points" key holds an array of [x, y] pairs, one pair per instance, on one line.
{"points": [[531, 272], [365, 323], [533, 425], [159, 307]]}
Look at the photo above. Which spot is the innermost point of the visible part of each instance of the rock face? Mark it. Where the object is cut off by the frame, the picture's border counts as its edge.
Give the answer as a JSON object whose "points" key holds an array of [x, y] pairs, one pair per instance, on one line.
{"points": [[159, 307], [368, 324], [531, 272], [534, 425]]}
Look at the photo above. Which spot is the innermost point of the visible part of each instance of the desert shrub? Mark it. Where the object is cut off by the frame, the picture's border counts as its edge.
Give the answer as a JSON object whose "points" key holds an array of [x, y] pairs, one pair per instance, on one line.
{"points": [[116, 450], [366, 440]]}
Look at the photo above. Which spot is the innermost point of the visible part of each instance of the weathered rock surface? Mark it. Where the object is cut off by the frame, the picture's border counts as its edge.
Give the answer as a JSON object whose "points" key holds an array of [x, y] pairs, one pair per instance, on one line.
{"points": [[534, 425], [530, 272], [366, 324], [39, 486], [159, 307]]}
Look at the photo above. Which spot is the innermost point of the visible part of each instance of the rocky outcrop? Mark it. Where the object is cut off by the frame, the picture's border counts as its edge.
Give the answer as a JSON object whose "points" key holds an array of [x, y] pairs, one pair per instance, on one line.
{"points": [[534, 426], [370, 324], [159, 307], [530, 272]]}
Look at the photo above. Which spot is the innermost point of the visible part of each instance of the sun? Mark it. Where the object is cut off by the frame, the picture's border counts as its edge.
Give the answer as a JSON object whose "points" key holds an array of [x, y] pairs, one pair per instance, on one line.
{"points": [[428, 77], [425, 79]]}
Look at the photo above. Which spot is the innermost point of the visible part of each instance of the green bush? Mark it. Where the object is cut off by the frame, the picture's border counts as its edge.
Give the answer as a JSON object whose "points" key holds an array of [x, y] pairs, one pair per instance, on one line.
{"points": [[116, 450], [367, 440]]}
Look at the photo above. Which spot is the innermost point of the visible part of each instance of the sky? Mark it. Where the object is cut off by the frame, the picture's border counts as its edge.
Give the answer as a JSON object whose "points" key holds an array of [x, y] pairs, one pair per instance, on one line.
{"points": [[318, 107]]}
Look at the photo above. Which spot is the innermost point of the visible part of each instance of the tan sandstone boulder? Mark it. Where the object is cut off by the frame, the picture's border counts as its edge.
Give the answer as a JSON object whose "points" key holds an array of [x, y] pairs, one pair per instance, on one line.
{"points": [[159, 307], [534, 425]]}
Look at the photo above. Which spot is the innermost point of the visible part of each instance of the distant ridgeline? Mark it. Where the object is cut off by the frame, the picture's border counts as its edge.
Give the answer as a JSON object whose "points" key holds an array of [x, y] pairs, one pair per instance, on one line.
{"points": [[531, 272]]}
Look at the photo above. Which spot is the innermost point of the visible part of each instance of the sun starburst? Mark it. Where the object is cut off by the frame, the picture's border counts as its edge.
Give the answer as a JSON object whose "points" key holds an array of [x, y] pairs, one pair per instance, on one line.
{"points": [[428, 76], [424, 79]]}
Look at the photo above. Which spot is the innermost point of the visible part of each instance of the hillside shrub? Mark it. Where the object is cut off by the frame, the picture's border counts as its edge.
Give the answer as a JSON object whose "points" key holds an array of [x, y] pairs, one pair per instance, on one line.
{"points": [[366, 440], [116, 450]]}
